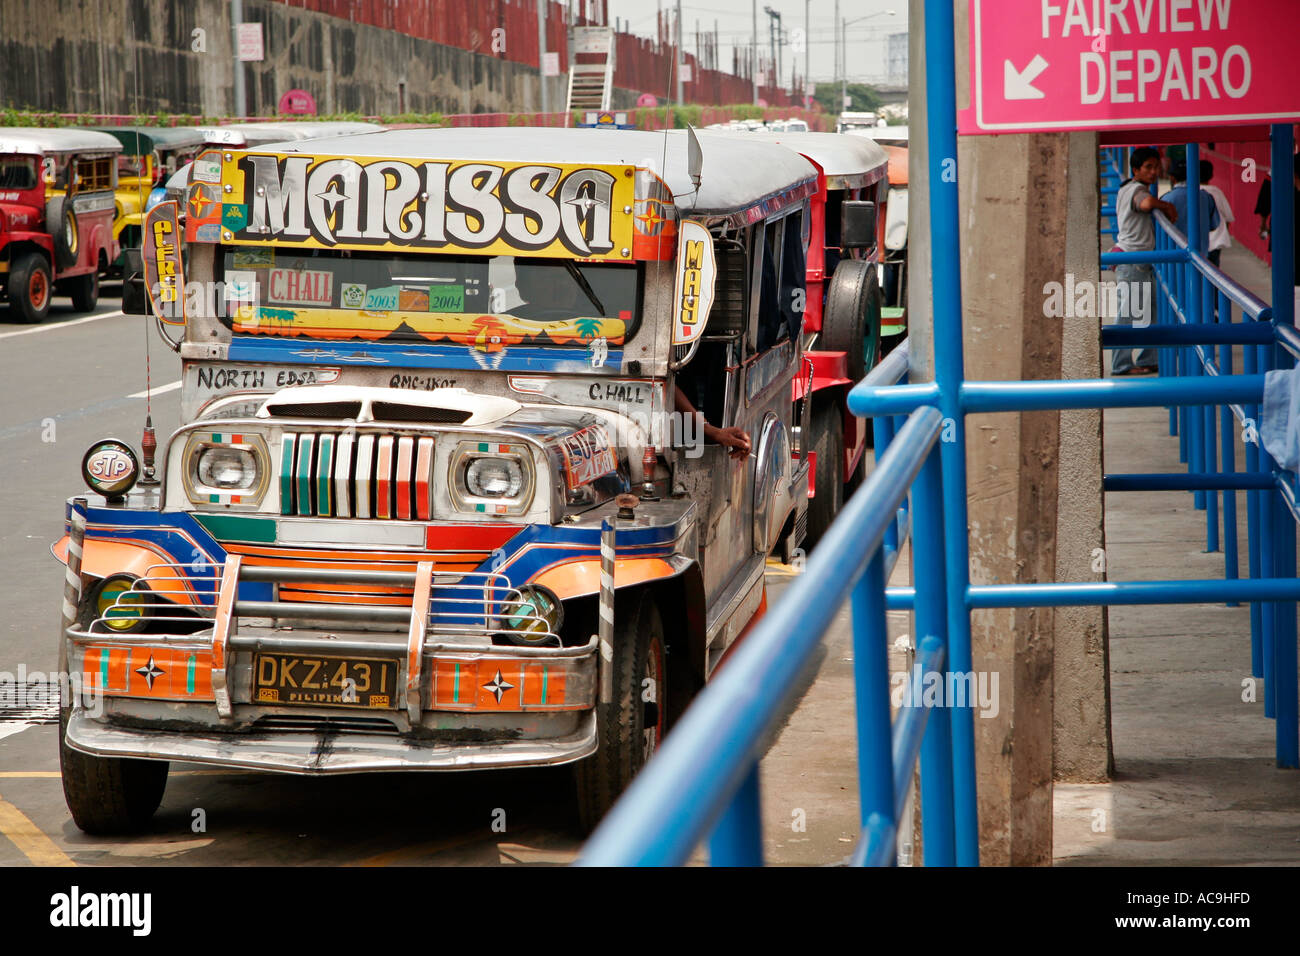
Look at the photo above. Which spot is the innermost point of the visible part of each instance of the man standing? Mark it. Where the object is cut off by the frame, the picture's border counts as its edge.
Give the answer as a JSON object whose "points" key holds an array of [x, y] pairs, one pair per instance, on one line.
{"points": [[1136, 233], [1177, 197], [1219, 238]]}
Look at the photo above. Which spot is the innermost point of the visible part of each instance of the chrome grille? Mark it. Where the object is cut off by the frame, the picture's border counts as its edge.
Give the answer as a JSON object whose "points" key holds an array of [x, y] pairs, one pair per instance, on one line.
{"points": [[351, 475]]}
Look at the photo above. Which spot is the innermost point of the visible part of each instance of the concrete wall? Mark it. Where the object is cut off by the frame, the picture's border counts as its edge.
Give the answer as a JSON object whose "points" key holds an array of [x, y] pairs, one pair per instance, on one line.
{"points": [[138, 56]]}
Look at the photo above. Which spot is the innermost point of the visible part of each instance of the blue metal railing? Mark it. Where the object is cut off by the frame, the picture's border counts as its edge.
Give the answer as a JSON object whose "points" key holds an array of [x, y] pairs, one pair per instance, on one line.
{"points": [[703, 782]]}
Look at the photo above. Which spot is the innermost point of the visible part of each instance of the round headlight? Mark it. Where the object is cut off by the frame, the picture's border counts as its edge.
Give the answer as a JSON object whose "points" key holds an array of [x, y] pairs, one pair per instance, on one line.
{"points": [[110, 468], [534, 617], [121, 608], [494, 478], [227, 468]]}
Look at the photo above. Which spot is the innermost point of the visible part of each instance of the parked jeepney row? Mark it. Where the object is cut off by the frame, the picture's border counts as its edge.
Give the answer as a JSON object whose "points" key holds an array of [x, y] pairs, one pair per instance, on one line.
{"points": [[485, 443]]}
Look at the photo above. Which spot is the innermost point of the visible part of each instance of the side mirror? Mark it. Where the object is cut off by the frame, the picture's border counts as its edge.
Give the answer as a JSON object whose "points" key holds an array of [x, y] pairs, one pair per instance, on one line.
{"points": [[135, 301], [858, 224]]}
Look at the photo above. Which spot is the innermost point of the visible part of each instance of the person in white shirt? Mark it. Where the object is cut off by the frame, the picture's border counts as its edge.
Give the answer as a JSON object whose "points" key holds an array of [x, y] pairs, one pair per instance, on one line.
{"points": [[1219, 237]]}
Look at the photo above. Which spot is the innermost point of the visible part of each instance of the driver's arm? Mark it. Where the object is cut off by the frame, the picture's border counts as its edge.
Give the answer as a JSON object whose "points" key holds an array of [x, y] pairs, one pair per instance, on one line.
{"points": [[732, 437]]}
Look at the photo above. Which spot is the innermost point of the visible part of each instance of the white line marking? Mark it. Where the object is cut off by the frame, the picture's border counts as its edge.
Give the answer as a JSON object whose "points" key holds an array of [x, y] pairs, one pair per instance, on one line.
{"points": [[169, 387], [62, 325], [11, 729]]}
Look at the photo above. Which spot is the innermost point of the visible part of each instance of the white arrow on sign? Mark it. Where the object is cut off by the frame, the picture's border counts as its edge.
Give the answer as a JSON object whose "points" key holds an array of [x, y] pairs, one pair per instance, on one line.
{"points": [[1018, 84]]}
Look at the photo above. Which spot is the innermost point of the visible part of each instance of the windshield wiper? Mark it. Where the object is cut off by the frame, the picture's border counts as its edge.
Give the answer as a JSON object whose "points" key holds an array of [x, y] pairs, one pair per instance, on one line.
{"points": [[579, 278]]}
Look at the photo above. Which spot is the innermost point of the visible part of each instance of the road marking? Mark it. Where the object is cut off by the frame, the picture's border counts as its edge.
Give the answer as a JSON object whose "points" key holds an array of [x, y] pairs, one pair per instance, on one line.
{"points": [[12, 729], [169, 387], [62, 325], [25, 835]]}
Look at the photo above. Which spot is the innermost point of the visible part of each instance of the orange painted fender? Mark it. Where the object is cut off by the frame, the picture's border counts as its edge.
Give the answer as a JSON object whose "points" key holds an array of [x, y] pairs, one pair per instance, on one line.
{"points": [[100, 558], [581, 576]]}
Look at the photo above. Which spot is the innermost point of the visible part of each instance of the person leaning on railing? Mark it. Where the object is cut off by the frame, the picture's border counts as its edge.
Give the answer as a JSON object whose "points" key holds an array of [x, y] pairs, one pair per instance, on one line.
{"points": [[1136, 232]]}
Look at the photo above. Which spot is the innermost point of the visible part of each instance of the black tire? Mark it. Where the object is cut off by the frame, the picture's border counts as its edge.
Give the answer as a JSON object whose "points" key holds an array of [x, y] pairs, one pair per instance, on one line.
{"points": [[851, 323], [629, 728], [828, 443], [84, 291], [62, 224], [30, 288], [106, 795]]}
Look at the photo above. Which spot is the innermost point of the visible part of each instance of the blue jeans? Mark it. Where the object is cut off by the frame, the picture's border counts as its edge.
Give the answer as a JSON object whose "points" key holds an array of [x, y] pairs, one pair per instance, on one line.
{"points": [[1137, 307]]}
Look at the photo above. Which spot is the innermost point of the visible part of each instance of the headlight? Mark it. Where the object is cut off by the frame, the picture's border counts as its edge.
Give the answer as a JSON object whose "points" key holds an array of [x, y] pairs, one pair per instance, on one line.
{"points": [[156, 195], [533, 618], [121, 608], [494, 477], [221, 468], [227, 468], [491, 478]]}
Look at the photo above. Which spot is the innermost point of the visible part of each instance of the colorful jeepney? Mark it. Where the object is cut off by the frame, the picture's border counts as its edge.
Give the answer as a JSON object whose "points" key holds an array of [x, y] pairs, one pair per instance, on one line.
{"points": [[843, 325], [149, 155], [56, 217], [434, 505]]}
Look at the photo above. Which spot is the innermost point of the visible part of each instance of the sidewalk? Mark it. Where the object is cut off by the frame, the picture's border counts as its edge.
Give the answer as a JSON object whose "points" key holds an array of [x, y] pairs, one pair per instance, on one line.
{"points": [[1195, 780]]}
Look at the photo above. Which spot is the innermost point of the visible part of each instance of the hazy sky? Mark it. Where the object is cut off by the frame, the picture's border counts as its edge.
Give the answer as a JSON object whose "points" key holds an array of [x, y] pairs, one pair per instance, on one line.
{"points": [[865, 40]]}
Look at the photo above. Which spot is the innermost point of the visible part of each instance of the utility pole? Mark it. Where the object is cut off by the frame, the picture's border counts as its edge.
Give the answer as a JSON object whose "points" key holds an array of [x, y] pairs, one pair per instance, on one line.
{"points": [[541, 53], [773, 35], [807, 47], [839, 66], [677, 53], [241, 97], [753, 50]]}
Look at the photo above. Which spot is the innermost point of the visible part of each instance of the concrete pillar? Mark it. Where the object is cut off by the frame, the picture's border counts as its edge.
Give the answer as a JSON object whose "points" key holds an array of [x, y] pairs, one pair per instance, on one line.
{"points": [[1081, 671]]}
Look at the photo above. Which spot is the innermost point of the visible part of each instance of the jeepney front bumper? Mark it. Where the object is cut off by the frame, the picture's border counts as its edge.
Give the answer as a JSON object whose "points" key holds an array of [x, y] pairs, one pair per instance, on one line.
{"points": [[431, 690]]}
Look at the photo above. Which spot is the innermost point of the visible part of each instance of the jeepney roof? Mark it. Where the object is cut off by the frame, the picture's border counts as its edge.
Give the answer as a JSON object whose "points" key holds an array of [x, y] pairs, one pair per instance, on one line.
{"points": [[893, 135], [307, 129], [37, 141], [848, 162], [138, 140], [738, 172], [244, 135]]}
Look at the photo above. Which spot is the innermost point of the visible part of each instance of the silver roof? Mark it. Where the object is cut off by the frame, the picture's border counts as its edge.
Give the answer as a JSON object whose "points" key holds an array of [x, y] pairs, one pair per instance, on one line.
{"points": [[892, 135], [738, 172], [34, 140], [849, 162]]}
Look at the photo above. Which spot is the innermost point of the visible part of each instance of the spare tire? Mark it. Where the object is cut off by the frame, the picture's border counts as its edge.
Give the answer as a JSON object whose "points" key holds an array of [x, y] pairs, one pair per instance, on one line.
{"points": [[61, 222], [851, 323]]}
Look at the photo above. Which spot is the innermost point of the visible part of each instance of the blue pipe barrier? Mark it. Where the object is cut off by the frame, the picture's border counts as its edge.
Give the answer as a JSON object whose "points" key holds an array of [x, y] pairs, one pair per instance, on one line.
{"points": [[713, 750], [703, 783]]}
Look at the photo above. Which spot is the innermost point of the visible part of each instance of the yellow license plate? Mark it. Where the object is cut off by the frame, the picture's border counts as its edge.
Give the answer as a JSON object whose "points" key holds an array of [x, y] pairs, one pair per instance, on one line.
{"points": [[369, 684]]}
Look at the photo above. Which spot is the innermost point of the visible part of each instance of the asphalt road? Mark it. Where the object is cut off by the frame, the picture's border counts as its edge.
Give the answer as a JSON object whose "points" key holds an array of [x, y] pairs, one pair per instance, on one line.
{"points": [[75, 379]]}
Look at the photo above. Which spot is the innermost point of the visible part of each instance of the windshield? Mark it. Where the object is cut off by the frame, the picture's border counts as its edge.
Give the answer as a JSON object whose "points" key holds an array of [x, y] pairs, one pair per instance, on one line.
{"points": [[487, 302], [17, 173]]}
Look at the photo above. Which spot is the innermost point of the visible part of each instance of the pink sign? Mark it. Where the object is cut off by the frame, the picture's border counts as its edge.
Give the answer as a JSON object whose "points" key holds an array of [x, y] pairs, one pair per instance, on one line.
{"points": [[297, 103], [1101, 64]]}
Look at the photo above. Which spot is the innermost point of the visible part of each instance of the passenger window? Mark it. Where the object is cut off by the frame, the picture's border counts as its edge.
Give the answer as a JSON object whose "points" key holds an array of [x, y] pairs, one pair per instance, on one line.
{"points": [[781, 303]]}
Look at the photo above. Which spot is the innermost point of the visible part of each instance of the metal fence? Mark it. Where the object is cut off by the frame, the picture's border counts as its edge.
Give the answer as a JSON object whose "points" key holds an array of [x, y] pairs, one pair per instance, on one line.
{"points": [[703, 783]]}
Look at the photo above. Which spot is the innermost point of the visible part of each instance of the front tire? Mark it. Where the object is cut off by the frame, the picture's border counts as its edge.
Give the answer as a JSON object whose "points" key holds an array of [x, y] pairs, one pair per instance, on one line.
{"points": [[851, 323], [30, 288], [630, 727]]}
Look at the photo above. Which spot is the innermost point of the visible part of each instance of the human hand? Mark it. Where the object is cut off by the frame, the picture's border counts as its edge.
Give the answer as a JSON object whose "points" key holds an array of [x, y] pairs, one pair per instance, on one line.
{"points": [[734, 438]]}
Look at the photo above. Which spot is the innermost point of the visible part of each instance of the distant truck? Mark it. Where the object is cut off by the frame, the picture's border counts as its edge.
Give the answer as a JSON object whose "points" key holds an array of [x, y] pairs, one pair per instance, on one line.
{"points": [[848, 121], [56, 217]]}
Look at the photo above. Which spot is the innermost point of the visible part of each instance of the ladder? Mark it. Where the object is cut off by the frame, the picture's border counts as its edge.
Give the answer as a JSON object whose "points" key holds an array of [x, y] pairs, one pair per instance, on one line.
{"points": [[591, 75]]}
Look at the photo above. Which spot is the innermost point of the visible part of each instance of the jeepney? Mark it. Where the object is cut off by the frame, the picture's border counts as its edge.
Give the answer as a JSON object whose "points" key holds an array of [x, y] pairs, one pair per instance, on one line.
{"points": [[56, 217], [149, 155], [843, 322], [432, 506], [894, 139]]}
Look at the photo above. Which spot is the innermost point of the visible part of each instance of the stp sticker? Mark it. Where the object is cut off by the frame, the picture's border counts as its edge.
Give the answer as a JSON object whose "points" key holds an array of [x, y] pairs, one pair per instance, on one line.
{"points": [[587, 456]]}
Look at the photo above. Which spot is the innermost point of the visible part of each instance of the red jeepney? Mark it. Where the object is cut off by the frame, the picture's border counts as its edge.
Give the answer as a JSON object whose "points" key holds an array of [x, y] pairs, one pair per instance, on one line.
{"points": [[56, 216], [842, 316]]}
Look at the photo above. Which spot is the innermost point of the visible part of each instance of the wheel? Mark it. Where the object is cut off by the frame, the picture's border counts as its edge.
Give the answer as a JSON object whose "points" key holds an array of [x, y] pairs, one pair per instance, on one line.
{"points": [[106, 795], [63, 226], [851, 323], [828, 443], [630, 727], [30, 288], [84, 291]]}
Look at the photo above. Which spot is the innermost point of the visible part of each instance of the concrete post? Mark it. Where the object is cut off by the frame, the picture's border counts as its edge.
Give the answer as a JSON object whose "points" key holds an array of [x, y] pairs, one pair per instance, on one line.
{"points": [[1081, 669]]}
